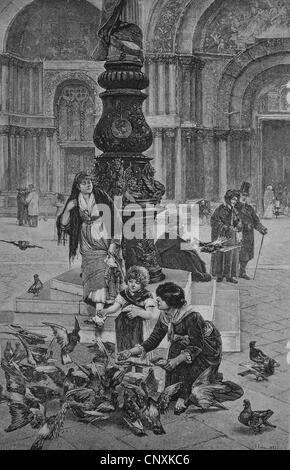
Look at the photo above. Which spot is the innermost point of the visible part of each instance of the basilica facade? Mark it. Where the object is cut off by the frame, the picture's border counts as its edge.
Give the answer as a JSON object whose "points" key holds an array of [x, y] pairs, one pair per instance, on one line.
{"points": [[218, 101]]}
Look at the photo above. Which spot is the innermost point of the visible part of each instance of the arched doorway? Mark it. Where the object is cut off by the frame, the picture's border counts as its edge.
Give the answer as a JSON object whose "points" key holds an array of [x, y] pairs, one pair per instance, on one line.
{"points": [[74, 108], [252, 106]]}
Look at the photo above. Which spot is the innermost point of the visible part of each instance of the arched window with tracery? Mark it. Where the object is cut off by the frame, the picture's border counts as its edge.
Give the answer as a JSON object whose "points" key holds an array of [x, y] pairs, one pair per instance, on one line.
{"points": [[75, 109]]}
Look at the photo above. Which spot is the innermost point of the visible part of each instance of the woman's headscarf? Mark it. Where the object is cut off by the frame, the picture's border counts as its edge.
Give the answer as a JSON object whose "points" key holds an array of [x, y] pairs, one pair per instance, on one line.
{"points": [[230, 194], [73, 229]]}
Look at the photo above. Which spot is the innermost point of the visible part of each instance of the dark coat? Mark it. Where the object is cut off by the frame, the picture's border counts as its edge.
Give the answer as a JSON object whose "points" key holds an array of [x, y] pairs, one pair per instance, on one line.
{"points": [[172, 257], [250, 222], [193, 335], [223, 218]]}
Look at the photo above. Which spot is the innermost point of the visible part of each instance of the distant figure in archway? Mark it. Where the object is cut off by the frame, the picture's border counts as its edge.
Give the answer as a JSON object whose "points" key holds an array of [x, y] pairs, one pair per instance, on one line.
{"points": [[268, 202]]}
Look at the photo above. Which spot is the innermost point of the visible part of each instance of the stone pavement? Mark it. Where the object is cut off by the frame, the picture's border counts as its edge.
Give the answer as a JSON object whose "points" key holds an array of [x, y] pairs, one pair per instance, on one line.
{"points": [[264, 317]]}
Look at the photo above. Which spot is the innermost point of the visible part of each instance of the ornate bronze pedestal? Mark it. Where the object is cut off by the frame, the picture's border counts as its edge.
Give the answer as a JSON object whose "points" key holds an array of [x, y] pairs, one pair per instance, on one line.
{"points": [[123, 134]]}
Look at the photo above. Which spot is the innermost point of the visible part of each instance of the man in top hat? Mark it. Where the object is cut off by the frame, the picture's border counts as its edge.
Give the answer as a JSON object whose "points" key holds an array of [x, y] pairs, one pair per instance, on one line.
{"points": [[250, 222]]}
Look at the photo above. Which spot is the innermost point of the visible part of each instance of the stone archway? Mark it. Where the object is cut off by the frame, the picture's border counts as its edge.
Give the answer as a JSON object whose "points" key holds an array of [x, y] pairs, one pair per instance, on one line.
{"points": [[244, 78], [15, 8]]}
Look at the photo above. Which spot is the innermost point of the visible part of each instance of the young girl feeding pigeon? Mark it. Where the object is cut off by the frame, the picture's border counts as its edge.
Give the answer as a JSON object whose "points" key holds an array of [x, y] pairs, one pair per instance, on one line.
{"points": [[137, 305]]}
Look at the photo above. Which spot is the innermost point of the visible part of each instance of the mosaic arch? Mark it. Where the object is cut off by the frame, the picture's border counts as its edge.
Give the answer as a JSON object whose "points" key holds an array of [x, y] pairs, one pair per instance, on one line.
{"points": [[229, 27], [240, 73], [168, 21], [220, 26], [54, 30]]}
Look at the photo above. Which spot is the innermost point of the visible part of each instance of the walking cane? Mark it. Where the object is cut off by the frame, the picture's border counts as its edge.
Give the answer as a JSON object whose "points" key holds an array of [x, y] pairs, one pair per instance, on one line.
{"points": [[262, 241]]}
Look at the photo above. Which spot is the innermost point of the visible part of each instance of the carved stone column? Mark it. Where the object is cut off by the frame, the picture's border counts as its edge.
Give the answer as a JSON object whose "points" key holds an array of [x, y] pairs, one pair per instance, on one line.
{"points": [[4, 158], [222, 137], [162, 75], [210, 165], [40, 90], [188, 150], [13, 173], [198, 92], [173, 164], [31, 92], [132, 12], [190, 86], [4, 84], [157, 152], [49, 157]]}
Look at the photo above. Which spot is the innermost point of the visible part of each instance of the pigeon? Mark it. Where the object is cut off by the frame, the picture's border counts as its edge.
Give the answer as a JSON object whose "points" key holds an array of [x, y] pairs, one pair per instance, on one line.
{"points": [[67, 341], [32, 375], [151, 404], [104, 351], [255, 419], [15, 355], [257, 372], [136, 426], [22, 415], [256, 355], [266, 368], [85, 400], [36, 287], [16, 388], [35, 355], [30, 337], [50, 428], [22, 244], [44, 394], [133, 415], [214, 246], [157, 405]]}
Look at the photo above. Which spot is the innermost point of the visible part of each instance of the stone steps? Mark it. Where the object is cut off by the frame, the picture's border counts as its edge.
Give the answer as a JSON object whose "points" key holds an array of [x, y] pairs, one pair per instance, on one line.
{"points": [[61, 299]]}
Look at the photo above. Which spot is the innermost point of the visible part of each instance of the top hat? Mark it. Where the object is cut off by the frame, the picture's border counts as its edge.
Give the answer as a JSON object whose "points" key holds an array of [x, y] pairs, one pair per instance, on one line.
{"points": [[245, 188]]}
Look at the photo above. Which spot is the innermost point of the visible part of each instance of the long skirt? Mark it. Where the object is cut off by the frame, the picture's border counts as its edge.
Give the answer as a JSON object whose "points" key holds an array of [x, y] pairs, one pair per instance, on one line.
{"points": [[225, 264]]}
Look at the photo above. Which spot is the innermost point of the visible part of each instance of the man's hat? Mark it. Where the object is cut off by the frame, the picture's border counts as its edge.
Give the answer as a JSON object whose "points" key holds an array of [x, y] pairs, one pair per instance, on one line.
{"points": [[245, 188]]}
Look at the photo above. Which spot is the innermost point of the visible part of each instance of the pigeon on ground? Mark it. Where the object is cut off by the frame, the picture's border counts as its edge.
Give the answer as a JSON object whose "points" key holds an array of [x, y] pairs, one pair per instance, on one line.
{"points": [[255, 419], [156, 406], [36, 287], [51, 427], [256, 355], [257, 372], [84, 401], [152, 404], [133, 415], [22, 244], [67, 341]]}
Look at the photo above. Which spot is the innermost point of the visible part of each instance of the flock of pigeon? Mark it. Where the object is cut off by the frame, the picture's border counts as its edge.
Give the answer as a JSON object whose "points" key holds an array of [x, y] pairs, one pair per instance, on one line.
{"points": [[103, 386]]}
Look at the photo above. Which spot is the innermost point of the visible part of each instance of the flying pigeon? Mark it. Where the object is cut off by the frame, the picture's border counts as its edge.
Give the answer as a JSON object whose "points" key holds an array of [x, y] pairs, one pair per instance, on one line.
{"points": [[22, 244], [67, 341]]}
